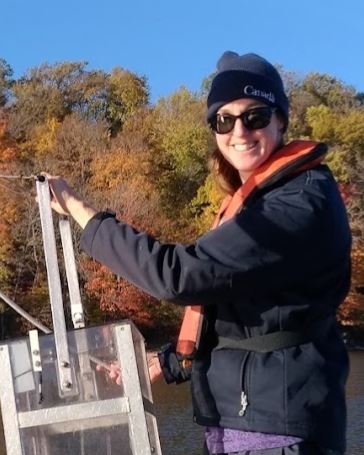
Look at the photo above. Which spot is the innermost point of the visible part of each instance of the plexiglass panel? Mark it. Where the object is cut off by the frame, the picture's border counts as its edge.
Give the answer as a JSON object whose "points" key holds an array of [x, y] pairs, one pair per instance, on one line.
{"points": [[95, 417]]}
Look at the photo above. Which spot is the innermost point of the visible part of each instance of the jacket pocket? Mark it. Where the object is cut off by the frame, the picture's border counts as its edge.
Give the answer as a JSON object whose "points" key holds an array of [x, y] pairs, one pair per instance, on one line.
{"points": [[266, 389], [228, 382]]}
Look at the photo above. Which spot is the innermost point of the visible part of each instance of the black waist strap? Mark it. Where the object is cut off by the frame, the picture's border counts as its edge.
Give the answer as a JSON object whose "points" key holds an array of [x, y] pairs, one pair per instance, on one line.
{"points": [[275, 340]]}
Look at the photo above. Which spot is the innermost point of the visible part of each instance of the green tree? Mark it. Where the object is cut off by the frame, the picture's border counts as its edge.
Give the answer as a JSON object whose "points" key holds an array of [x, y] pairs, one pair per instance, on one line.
{"points": [[126, 93], [6, 73], [55, 91], [329, 91], [205, 205], [182, 141]]}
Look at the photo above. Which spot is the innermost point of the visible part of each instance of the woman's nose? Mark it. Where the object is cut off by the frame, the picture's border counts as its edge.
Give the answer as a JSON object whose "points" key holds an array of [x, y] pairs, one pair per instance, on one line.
{"points": [[239, 128]]}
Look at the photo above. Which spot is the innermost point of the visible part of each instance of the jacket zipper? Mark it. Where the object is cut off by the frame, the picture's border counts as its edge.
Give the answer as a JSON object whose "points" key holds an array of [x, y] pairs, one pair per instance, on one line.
{"points": [[244, 403]]}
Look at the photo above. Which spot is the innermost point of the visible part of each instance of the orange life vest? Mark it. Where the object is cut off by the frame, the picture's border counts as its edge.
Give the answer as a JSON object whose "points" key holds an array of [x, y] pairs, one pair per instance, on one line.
{"points": [[289, 160]]}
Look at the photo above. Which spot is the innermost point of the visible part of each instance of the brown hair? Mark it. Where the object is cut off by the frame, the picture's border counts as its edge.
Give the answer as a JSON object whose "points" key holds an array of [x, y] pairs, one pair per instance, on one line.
{"points": [[226, 176]]}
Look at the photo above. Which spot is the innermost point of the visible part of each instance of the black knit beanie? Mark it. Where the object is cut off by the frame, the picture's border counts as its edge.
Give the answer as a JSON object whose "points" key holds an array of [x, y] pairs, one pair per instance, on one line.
{"points": [[246, 76]]}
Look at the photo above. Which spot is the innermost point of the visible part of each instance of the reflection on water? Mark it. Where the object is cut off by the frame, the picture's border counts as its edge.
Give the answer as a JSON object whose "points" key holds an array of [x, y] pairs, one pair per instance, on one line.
{"points": [[177, 432], [180, 436], [355, 400]]}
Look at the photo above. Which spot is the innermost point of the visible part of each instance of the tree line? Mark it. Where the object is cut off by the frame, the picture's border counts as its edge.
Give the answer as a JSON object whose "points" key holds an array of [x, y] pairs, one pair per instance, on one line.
{"points": [[149, 162]]}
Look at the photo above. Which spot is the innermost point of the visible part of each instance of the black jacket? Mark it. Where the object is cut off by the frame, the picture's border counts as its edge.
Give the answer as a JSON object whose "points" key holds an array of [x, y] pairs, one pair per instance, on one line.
{"points": [[283, 263]]}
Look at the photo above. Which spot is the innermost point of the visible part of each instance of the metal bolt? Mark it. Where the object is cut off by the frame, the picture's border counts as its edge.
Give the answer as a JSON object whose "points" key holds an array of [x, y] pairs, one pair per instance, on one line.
{"points": [[67, 384], [65, 364], [78, 317], [37, 363], [35, 352]]}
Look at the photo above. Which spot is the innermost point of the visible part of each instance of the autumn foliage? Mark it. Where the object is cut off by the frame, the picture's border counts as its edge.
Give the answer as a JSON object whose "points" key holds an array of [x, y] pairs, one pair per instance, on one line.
{"points": [[352, 312], [149, 163]]}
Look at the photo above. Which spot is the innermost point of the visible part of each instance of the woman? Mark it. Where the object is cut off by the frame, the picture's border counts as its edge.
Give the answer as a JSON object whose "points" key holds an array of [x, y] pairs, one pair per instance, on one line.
{"points": [[269, 372]]}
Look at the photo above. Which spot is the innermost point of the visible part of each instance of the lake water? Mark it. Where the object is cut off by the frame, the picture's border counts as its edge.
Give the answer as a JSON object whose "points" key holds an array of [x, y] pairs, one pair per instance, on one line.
{"points": [[180, 436]]}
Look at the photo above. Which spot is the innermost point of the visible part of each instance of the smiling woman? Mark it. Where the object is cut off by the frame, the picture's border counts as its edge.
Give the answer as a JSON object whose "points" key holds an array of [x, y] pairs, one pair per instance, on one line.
{"points": [[247, 133], [261, 289]]}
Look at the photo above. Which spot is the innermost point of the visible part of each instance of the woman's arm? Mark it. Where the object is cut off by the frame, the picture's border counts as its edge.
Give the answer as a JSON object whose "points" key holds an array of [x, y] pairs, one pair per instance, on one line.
{"points": [[275, 243]]}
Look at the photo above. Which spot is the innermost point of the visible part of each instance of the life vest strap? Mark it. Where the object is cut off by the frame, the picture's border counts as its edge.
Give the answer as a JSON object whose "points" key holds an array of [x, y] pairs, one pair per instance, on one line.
{"points": [[275, 341]]}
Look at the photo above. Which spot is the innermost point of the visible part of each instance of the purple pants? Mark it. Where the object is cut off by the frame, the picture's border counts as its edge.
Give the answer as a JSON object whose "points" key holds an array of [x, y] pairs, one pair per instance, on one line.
{"points": [[303, 448]]}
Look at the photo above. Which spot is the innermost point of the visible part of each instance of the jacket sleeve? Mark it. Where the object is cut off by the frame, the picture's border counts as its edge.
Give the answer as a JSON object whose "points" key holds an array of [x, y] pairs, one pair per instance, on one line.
{"points": [[281, 239]]}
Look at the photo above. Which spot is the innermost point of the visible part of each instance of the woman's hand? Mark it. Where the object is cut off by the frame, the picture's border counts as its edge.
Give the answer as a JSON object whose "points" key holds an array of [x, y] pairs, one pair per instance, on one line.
{"points": [[66, 201], [63, 196], [114, 372], [155, 370]]}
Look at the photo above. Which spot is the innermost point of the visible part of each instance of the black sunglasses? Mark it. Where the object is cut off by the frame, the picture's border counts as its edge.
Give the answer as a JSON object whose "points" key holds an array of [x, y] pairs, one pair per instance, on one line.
{"points": [[253, 119]]}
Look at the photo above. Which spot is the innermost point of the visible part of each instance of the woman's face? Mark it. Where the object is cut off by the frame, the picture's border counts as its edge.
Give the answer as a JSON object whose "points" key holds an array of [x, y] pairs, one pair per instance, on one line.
{"points": [[246, 149]]}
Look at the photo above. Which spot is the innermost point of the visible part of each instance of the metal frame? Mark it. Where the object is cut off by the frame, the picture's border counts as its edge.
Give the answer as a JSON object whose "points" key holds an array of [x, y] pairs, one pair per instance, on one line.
{"points": [[55, 291], [71, 272], [131, 384], [65, 415], [8, 405]]}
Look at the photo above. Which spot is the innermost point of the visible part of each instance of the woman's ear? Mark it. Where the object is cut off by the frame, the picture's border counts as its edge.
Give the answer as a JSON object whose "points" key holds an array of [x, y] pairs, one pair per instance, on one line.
{"points": [[281, 122]]}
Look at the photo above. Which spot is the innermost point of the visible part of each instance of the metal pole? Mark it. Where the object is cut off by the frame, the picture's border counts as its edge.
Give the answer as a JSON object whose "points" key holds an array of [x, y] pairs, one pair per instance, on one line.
{"points": [[66, 385]]}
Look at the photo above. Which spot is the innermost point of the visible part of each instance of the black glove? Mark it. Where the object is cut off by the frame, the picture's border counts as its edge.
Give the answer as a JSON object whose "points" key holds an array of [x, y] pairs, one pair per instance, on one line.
{"points": [[175, 367]]}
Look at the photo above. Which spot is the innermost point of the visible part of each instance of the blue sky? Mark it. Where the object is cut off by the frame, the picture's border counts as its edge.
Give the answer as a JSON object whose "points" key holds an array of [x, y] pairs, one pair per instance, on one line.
{"points": [[176, 43]]}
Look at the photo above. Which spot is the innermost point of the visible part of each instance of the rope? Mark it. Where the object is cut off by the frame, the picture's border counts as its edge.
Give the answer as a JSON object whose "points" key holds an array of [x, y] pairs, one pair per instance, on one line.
{"points": [[22, 177]]}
